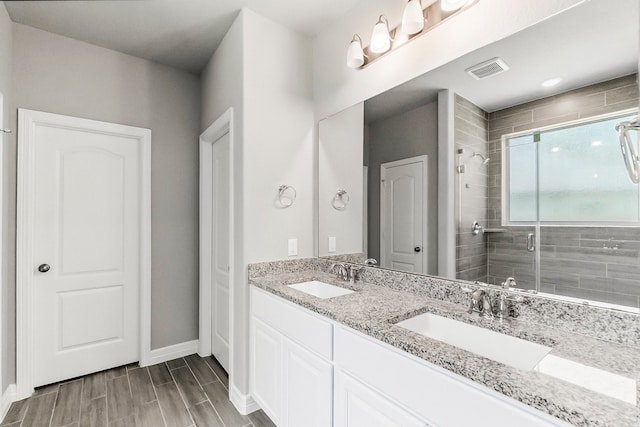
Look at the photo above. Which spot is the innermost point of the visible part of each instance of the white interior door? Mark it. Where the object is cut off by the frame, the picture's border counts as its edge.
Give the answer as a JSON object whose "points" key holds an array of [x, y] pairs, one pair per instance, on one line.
{"points": [[403, 219], [86, 247], [220, 251]]}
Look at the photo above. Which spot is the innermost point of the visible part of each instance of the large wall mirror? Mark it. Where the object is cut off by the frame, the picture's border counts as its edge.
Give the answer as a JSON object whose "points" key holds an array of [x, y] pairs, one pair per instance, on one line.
{"points": [[503, 163]]}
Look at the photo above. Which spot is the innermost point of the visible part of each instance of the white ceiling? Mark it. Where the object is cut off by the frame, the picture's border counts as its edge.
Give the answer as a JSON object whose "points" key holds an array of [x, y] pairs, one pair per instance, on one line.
{"points": [[179, 33], [592, 42]]}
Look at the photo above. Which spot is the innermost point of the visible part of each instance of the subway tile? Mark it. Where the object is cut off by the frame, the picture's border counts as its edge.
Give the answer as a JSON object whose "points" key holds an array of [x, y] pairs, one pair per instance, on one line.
{"points": [[548, 122], [622, 94], [618, 286], [569, 105], [576, 266], [588, 294], [522, 107], [619, 256], [518, 118], [622, 271], [470, 106], [552, 278], [612, 108]]}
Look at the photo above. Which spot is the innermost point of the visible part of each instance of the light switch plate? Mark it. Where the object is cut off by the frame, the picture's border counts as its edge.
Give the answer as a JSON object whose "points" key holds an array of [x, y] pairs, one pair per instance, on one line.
{"points": [[332, 244], [292, 247]]}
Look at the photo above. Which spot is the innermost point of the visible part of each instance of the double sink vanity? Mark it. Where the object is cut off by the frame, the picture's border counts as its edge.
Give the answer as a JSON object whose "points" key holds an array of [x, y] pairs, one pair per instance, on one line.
{"points": [[401, 349]]}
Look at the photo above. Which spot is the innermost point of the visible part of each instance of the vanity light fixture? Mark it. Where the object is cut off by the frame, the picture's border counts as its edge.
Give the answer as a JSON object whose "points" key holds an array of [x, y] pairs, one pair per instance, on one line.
{"points": [[380, 37], [355, 53], [413, 18], [416, 21]]}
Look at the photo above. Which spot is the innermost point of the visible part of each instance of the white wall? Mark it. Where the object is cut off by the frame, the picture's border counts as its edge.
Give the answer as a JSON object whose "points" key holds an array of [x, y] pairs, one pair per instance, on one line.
{"points": [[340, 151], [223, 88], [337, 87], [64, 76], [7, 321], [263, 70]]}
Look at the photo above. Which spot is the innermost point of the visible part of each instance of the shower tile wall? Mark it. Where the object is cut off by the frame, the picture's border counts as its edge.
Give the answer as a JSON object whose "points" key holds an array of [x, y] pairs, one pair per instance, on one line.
{"points": [[573, 260], [471, 126]]}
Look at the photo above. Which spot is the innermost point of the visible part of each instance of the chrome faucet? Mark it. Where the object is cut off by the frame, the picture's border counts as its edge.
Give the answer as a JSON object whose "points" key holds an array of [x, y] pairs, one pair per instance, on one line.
{"points": [[341, 270], [353, 271], [481, 303]]}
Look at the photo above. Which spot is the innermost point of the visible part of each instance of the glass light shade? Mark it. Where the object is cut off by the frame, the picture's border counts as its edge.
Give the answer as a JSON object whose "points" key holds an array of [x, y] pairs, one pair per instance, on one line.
{"points": [[355, 55], [412, 18], [450, 5], [380, 38]]}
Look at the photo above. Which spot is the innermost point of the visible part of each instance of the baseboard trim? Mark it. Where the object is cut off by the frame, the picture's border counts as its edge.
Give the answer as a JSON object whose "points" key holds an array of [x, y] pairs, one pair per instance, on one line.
{"points": [[171, 352], [8, 397], [244, 403]]}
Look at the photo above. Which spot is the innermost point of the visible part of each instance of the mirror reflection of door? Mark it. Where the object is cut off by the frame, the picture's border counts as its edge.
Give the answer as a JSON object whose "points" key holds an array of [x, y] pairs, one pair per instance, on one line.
{"points": [[403, 219]]}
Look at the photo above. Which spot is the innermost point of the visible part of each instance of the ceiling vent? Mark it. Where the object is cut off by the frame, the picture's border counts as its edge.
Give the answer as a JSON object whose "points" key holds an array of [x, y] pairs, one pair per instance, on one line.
{"points": [[487, 69]]}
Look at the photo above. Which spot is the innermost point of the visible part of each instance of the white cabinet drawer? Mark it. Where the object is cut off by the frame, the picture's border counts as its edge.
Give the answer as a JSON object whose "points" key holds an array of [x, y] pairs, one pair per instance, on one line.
{"points": [[296, 323], [357, 405], [442, 398]]}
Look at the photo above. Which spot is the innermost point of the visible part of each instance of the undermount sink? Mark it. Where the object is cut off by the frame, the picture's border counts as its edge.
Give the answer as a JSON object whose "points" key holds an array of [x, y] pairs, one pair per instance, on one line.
{"points": [[499, 347], [321, 289]]}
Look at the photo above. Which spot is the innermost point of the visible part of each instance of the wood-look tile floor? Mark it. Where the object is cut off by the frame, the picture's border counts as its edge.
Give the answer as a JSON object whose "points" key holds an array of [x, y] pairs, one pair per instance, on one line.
{"points": [[190, 391]]}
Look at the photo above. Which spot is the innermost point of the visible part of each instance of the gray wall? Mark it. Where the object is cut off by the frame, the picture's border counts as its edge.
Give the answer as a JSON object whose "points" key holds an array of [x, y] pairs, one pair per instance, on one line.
{"points": [[7, 346], [470, 127], [574, 262], [61, 75], [410, 134]]}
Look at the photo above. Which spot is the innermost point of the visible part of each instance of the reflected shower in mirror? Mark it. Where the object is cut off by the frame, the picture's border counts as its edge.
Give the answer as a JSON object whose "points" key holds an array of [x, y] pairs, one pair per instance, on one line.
{"points": [[530, 153]]}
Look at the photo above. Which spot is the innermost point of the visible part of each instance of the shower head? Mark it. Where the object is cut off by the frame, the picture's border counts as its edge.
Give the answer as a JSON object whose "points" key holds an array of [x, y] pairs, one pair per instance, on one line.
{"points": [[485, 159]]}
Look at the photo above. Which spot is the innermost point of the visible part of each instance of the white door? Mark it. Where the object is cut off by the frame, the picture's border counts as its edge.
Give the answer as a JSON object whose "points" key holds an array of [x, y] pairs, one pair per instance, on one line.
{"points": [[86, 246], [220, 251], [403, 219]]}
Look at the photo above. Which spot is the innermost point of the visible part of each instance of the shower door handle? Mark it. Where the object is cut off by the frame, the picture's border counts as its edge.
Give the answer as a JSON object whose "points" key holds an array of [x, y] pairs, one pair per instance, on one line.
{"points": [[531, 242]]}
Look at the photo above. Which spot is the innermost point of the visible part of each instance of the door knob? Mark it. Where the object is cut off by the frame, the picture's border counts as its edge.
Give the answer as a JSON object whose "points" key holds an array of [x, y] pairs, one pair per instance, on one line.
{"points": [[43, 268], [417, 249]]}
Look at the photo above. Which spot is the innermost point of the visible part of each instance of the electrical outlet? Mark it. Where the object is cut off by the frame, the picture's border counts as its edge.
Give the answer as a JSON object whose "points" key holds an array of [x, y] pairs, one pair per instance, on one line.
{"points": [[332, 244], [292, 247]]}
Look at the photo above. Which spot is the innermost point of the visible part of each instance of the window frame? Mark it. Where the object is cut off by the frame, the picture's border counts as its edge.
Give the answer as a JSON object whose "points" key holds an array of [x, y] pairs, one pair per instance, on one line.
{"points": [[505, 202]]}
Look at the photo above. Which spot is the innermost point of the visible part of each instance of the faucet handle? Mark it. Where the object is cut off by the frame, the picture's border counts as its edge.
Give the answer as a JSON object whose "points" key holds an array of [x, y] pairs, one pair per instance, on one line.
{"points": [[370, 262], [510, 282]]}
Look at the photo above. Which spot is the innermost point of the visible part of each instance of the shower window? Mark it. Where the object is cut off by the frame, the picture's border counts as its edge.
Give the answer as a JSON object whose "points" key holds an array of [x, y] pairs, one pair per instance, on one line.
{"points": [[571, 174]]}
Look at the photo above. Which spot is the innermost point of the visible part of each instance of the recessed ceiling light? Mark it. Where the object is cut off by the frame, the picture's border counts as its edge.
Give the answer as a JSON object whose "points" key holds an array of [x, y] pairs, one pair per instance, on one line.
{"points": [[551, 82], [596, 143], [595, 175], [555, 149]]}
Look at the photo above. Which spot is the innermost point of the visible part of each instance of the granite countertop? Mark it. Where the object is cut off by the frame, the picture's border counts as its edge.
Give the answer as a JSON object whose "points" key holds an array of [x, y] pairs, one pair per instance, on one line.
{"points": [[374, 310]]}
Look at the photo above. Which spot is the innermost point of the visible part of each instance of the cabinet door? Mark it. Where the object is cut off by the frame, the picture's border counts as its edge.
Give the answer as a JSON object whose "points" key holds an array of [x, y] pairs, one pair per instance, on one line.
{"points": [[266, 368], [357, 405], [308, 384]]}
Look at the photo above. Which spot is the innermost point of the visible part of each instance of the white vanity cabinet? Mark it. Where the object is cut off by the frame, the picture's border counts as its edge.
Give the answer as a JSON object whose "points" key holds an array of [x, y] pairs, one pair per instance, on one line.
{"points": [[308, 371], [418, 389], [291, 374]]}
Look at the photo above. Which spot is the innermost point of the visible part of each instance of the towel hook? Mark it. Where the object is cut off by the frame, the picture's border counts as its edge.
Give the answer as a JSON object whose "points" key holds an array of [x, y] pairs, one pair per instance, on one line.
{"points": [[286, 195], [340, 200]]}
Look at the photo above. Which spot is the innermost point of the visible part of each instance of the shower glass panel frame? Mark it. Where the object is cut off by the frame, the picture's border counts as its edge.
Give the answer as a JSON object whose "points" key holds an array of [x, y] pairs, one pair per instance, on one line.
{"points": [[567, 185]]}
